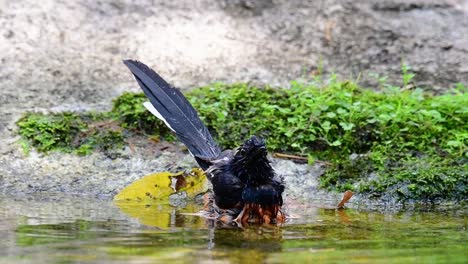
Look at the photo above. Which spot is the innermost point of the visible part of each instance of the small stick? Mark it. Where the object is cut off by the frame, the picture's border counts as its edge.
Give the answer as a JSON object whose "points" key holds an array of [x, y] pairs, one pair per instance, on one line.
{"points": [[346, 196], [289, 156]]}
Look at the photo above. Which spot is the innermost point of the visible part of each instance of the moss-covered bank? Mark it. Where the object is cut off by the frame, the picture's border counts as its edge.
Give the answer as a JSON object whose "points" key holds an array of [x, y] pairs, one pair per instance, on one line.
{"points": [[399, 142]]}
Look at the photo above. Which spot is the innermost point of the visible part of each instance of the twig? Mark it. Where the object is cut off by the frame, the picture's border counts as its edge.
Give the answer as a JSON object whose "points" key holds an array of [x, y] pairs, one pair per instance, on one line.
{"points": [[346, 196], [289, 156]]}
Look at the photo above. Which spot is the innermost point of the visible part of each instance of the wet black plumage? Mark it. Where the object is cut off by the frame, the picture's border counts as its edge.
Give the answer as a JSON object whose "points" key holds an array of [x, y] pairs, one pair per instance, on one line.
{"points": [[244, 183]]}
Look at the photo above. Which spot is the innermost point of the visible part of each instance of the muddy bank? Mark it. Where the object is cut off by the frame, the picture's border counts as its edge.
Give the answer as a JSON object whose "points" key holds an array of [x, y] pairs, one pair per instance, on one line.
{"points": [[67, 56]]}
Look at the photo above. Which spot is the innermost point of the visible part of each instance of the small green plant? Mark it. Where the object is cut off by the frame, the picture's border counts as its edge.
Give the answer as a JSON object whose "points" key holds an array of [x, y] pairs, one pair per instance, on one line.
{"points": [[407, 75]]}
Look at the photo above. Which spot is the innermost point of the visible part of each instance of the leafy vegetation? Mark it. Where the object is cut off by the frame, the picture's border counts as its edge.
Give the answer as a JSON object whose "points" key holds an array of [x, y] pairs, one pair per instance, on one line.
{"points": [[413, 144], [336, 119], [50, 132], [70, 132]]}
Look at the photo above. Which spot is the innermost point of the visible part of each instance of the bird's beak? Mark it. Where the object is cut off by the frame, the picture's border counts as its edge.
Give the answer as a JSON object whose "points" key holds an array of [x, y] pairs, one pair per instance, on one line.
{"points": [[260, 150]]}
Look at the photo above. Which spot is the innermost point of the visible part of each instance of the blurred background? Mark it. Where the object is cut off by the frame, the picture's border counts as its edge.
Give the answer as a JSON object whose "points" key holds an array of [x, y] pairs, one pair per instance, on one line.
{"points": [[66, 55]]}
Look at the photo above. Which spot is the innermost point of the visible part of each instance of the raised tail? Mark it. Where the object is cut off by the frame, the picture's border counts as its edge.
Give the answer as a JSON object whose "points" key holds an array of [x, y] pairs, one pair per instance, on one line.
{"points": [[170, 105]]}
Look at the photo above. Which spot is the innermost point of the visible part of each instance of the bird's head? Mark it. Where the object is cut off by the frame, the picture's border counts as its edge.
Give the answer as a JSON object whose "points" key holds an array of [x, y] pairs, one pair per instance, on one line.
{"points": [[250, 160], [251, 150]]}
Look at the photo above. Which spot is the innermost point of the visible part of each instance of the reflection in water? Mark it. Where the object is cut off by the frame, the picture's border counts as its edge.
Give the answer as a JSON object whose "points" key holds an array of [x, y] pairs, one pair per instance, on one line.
{"points": [[60, 229], [219, 234]]}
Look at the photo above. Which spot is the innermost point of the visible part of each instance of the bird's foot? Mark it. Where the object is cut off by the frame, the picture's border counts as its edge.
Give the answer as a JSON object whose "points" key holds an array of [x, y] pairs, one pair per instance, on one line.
{"points": [[260, 214]]}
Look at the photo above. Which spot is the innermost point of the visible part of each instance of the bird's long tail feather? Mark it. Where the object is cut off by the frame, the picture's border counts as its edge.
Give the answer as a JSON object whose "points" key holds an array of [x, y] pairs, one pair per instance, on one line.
{"points": [[170, 105]]}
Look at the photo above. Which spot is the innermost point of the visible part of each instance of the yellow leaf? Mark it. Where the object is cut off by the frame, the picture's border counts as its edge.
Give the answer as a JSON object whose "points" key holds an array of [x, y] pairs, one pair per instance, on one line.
{"points": [[158, 187], [192, 183]]}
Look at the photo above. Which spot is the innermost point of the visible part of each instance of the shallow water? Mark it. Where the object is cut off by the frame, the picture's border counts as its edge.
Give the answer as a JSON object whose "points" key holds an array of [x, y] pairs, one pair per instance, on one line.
{"points": [[57, 229]]}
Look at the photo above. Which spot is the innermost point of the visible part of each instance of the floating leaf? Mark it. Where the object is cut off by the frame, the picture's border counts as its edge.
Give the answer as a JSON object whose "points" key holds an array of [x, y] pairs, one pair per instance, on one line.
{"points": [[159, 186]]}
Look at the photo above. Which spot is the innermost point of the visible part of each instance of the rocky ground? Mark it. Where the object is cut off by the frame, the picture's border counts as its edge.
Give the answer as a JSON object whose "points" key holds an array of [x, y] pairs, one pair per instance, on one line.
{"points": [[66, 55]]}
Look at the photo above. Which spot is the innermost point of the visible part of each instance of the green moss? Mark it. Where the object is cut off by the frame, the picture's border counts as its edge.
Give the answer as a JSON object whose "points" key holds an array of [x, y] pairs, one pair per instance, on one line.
{"points": [[69, 132], [413, 143], [51, 132], [426, 178], [101, 136]]}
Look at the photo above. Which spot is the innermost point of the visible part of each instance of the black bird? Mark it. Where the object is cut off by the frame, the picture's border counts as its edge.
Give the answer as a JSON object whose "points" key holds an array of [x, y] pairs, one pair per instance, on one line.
{"points": [[245, 186]]}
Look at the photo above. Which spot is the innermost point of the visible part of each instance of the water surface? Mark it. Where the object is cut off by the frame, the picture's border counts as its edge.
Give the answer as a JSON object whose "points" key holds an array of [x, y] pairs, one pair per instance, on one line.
{"points": [[58, 229]]}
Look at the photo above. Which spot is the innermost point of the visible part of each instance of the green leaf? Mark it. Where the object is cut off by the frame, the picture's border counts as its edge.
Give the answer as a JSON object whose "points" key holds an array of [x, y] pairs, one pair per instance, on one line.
{"points": [[326, 125], [336, 143], [347, 126]]}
